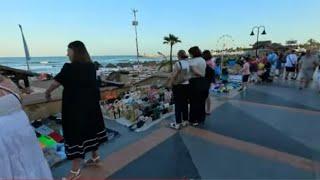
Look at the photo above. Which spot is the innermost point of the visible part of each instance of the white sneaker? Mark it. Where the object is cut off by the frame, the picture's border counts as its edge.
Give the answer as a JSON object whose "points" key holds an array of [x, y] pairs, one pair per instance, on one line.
{"points": [[175, 126], [195, 124], [185, 123]]}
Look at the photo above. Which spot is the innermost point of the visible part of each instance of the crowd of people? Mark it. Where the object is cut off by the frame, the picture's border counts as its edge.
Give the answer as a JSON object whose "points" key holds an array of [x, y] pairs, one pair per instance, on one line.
{"points": [[82, 121], [192, 78], [191, 81], [279, 65]]}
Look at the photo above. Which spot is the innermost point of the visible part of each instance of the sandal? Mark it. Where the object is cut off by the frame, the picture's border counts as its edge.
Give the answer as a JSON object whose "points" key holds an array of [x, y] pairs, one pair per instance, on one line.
{"points": [[92, 161], [175, 126], [75, 175], [185, 123]]}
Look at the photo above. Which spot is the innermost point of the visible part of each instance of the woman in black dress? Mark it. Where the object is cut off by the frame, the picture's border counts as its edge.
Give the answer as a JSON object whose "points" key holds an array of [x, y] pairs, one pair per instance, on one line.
{"points": [[82, 121]]}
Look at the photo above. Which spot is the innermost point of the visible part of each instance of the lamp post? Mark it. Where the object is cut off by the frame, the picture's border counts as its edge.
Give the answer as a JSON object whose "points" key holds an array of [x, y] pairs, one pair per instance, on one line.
{"points": [[135, 24], [258, 33]]}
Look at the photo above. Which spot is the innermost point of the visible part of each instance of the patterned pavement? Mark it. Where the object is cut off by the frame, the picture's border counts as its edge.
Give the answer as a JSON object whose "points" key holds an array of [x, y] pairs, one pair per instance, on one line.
{"points": [[267, 132]]}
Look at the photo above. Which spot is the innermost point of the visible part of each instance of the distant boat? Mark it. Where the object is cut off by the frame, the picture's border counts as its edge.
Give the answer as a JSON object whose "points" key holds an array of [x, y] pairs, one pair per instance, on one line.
{"points": [[44, 62]]}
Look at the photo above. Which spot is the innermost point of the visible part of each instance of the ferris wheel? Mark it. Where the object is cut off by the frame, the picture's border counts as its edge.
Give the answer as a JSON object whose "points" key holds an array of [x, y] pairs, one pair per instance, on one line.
{"points": [[225, 42]]}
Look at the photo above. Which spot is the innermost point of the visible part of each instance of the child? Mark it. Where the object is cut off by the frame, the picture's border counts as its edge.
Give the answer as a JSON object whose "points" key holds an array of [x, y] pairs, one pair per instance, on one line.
{"points": [[225, 79], [245, 71], [261, 72], [254, 71], [225, 76]]}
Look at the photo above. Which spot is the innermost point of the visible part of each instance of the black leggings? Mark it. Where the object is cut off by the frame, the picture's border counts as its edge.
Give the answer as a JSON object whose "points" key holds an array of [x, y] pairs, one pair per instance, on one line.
{"points": [[181, 97], [199, 91]]}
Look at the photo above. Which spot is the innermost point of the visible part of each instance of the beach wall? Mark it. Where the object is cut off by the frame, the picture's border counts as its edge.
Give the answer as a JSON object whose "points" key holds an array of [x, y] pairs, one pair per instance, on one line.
{"points": [[42, 110], [37, 107]]}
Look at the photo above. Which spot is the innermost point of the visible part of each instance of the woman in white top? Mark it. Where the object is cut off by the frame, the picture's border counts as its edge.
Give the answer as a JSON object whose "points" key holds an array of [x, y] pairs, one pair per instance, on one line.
{"points": [[20, 153], [199, 87], [180, 88]]}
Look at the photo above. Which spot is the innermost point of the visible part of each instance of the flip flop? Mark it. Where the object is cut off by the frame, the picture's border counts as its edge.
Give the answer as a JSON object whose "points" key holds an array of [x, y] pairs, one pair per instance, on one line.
{"points": [[75, 175], [92, 161]]}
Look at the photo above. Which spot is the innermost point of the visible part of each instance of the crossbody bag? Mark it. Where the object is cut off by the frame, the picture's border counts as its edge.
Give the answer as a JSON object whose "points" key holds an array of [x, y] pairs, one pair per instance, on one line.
{"points": [[11, 92]]}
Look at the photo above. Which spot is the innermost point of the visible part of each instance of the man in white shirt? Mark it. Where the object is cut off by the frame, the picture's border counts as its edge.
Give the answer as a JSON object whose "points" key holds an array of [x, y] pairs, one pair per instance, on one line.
{"points": [[291, 64]]}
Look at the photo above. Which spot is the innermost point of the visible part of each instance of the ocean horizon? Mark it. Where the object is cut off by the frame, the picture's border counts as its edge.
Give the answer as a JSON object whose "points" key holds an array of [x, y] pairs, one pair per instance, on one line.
{"points": [[53, 64]]}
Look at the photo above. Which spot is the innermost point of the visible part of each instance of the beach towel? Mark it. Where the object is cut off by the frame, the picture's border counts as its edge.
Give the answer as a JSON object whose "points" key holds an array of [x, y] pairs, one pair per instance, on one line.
{"points": [[124, 122], [217, 70], [47, 141], [232, 62], [44, 130], [56, 136]]}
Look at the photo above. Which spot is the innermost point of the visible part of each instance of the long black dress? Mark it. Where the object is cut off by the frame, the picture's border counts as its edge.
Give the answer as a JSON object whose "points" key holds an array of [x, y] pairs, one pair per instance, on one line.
{"points": [[82, 121]]}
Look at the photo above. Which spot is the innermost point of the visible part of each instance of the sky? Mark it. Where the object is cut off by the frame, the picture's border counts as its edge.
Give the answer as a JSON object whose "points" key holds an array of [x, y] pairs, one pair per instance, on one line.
{"points": [[105, 25]]}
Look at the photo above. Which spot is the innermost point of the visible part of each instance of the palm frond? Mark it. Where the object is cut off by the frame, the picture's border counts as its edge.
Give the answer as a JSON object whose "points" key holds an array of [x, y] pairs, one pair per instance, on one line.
{"points": [[164, 64], [171, 39], [166, 38]]}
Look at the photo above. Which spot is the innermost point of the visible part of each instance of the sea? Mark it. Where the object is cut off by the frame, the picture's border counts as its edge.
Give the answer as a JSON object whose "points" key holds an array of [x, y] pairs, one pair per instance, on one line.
{"points": [[53, 65]]}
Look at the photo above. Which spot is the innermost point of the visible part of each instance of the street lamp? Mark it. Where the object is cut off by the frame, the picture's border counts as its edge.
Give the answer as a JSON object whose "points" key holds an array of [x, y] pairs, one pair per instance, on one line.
{"points": [[135, 24], [258, 33]]}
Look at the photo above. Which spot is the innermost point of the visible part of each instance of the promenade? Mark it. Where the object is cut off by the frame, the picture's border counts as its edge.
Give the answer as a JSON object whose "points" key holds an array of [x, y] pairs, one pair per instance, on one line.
{"points": [[267, 132]]}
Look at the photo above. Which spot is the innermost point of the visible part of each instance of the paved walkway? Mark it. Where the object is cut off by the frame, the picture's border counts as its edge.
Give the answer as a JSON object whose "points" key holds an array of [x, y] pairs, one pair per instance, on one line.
{"points": [[267, 132]]}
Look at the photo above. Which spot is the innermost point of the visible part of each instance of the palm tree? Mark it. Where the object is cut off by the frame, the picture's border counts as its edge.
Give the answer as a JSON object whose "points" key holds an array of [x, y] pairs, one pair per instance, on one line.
{"points": [[171, 40], [313, 43]]}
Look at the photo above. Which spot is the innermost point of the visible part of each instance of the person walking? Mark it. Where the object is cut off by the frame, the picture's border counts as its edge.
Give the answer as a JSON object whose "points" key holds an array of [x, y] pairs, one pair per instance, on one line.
{"points": [[210, 76], [291, 63], [298, 65], [20, 154], [280, 64], [198, 87], [272, 59], [82, 121], [254, 70], [245, 71], [318, 79], [217, 67], [179, 81], [307, 66]]}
